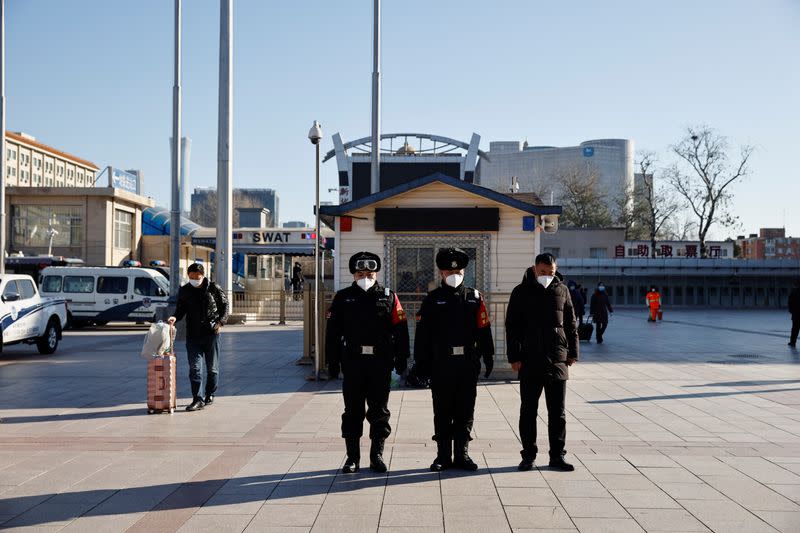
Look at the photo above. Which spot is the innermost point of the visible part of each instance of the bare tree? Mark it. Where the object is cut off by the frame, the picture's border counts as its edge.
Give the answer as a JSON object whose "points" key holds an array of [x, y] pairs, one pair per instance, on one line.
{"points": [[656, 205], [584, 205], [703, 175]]}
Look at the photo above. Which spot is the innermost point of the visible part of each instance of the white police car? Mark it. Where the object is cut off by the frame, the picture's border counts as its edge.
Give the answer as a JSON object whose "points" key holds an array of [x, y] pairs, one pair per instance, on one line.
{"points": [[25, 316]]}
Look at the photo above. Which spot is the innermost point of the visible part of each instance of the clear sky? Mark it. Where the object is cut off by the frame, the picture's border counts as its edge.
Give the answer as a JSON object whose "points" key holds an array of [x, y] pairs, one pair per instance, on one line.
{"points": [[94, 77]]}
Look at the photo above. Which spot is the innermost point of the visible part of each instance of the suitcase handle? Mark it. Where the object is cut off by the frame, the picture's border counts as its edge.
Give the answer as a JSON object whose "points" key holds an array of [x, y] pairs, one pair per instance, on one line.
{"points": [[163, 383]]}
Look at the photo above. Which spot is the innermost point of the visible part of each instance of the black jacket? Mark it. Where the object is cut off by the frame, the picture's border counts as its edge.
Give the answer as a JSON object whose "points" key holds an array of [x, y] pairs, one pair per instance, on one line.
{"points": [[540, 327], [578, 304], [359, 318], [794, 303], [451, 318], [204, 307], [599, 307]]}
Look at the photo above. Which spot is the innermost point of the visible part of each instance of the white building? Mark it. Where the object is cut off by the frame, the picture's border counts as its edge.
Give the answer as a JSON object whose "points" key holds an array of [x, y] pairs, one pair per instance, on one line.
{"points": [[30, 163]]}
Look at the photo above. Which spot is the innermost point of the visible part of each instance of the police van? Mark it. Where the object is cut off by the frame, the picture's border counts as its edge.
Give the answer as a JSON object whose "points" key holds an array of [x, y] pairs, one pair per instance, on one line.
{"points": [[99, 295], [27, 317]]}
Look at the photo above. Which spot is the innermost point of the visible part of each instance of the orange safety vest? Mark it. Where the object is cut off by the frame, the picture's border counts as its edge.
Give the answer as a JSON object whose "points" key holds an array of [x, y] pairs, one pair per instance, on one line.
{"points": [[653, 299]]}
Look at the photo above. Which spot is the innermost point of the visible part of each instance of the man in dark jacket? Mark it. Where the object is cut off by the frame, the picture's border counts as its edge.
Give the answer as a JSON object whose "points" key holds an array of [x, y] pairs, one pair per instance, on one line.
{"points": [[794, 309], [599, 308], [205, 307], [367, 334], [453, 335], [578, 303], [542, 342]]}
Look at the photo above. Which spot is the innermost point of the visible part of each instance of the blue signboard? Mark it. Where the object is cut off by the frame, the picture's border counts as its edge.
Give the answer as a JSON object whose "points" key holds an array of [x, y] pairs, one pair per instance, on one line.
{"points": [[119, 179], [588, 151]]}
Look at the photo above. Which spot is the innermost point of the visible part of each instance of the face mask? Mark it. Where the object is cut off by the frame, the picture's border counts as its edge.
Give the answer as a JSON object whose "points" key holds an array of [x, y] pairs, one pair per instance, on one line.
{"points": [[196, 282], [601, 289], [545, 281], [454, 280], [365, 283]]}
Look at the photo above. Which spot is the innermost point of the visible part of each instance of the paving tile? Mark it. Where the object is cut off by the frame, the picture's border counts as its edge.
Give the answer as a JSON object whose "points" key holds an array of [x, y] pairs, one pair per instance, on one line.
{"points": [[644, 499], [626, 481], [607, 525], [670, 475], [411, 515], [691, 491], [286, 515], [346, 524], [579, 489], [593, 508], [725, 516], [786, 522], [348, 504], [660, 520], [550, 517], [210, 523], [528, 496], [424, 495], [235, 504]]}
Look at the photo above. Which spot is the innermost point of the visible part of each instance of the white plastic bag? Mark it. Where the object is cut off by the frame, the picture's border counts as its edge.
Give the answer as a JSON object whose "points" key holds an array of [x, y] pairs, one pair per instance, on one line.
{"points": [[158, 340]]}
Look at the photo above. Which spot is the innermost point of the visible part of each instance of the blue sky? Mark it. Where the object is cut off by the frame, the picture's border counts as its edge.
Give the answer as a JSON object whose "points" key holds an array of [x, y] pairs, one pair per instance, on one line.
{"points": [[94, 77]]}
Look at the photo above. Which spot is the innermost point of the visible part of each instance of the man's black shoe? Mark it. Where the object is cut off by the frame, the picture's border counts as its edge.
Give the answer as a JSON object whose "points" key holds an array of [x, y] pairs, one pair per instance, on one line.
{"points": [[561, 465], [441, 463], [350, 466], [461, 458], [209, 399], [196, 405], [376, 463], [444, 456], [525, 465], [793, 345]]}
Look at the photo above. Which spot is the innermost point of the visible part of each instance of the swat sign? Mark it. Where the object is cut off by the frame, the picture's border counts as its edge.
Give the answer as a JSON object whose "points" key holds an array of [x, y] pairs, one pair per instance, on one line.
{"points": [[274, 237]]}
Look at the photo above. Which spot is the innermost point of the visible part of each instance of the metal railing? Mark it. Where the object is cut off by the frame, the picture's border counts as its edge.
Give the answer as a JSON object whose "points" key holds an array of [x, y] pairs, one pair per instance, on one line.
{"points": [[281, 305]]}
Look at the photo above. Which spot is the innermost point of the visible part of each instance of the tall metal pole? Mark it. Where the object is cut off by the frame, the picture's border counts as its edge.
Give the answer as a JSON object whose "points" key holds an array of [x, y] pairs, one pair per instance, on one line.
{"points": [[175, 213], [3, 137], [224, 248], [375, 169], [317, 292]]}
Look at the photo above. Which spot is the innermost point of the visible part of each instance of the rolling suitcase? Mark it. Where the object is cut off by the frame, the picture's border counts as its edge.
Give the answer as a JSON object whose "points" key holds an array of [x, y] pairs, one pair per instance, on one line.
{"points": [[585, 330], [161, 395]]}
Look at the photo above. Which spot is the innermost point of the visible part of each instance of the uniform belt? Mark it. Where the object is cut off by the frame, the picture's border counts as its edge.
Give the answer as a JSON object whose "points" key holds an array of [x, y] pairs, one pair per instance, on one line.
{"points": [[367, 350], [457, 350]]}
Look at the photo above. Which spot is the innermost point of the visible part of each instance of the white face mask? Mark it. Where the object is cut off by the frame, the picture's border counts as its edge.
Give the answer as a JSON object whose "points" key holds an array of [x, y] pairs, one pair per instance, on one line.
{"points": [[365, 283], [196, 282], [545, 281], [454, 280]]}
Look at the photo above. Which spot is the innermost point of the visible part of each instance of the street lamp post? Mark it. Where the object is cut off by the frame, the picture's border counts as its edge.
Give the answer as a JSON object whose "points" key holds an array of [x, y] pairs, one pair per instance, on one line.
{"points": [[315, 136]]}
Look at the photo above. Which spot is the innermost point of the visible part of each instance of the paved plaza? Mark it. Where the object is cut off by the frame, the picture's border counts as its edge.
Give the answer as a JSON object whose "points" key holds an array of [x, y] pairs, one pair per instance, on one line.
{"points": [[692, 424]]}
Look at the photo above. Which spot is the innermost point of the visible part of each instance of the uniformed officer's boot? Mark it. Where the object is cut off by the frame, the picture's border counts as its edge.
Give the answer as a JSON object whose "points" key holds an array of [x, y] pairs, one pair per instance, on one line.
{"points": [[353, 455], [376, 463], [444, 456], [461, 458]]}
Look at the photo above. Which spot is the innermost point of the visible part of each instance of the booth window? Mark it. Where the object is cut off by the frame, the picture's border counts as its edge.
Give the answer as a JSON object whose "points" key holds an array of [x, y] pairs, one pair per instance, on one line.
{"points": [[30, 225], [123, 229]]}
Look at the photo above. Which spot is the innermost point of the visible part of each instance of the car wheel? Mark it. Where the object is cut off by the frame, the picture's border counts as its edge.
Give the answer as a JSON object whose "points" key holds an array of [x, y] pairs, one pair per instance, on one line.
{"points": [[48, 343]]}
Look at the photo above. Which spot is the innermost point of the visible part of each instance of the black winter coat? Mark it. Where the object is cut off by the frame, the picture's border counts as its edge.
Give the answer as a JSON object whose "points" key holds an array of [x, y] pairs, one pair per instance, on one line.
{"points": [[578, 303], [205, 307], [599, 307], [541, 330], [794, 303], [359, 318]]}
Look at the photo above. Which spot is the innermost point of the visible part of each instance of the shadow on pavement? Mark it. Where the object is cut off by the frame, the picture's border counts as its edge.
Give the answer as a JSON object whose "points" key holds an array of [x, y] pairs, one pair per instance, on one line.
{"points": [[748, 383], [688, 396]]}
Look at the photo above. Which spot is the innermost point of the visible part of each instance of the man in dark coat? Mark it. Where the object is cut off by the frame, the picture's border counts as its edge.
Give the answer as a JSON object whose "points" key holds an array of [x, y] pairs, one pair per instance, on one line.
{"points": [[205, 307], [600, 308], [367, 335], [578, 303], [542, 342], [794, 309], [453, 335]]}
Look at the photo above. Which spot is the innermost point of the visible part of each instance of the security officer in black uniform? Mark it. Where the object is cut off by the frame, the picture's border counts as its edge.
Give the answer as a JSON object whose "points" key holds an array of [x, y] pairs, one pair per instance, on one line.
{"points": [[367, 335], [453, 335]]}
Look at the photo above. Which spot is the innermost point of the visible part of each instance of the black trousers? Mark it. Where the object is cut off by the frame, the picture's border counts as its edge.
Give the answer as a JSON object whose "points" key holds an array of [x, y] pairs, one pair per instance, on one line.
{"points": [[555, 393], [203, 351], [367, 379], [601, 328], [454, 386], [795, 329]]}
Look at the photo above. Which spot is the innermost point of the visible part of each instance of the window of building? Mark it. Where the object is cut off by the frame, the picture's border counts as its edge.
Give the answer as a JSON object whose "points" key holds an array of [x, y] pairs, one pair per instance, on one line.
{"points": [[112, 284], [30, 225], [598, 253], [550, 250], [123, 229], [252, 266], [79, 284], [51, 284]]}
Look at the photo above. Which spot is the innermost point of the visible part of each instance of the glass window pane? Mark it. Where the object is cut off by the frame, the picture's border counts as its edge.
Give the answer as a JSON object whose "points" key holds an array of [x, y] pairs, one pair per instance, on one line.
{"points": [[10, 288], [112, 285], [145, 287], [51, 284], [26, 289], [79, 284]]}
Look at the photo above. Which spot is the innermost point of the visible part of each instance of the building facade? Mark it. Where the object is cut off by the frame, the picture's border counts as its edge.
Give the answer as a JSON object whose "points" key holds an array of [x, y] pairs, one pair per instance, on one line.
{"points": [[674, 249], [30, 163], [769, 243], [204, 205], [578, 243], [537, 168]]}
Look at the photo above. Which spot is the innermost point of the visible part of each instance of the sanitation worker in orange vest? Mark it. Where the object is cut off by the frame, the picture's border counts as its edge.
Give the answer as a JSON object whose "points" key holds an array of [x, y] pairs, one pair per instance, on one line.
{"points": [[654, 302]]}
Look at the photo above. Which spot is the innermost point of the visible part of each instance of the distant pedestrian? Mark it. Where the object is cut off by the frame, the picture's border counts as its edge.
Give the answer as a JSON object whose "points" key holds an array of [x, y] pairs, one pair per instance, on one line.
{"points": [[794, 309], [600, 309], [205, 307], [542, 342], [578, 302], [297, 280], [653, 299]]}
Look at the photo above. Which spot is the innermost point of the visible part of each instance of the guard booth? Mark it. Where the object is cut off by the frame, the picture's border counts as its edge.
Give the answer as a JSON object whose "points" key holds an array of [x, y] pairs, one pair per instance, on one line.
{"points": [[262, 268], [407, 225]]}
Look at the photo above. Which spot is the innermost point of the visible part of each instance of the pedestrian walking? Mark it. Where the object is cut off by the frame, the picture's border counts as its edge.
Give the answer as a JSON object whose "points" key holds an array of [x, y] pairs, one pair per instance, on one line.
{"points": [[794, 309], [367, 335], [542, 342], [297, 281], [653, 299], [205, 306], [453, 335], [600, 309], [578, 303]]}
